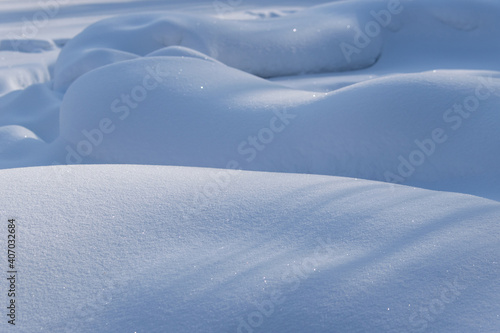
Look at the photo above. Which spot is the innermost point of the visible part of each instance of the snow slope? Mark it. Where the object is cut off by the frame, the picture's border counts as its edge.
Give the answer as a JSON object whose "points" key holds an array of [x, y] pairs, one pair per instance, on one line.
{"points": [[415, 124], [237, 160], [293, 130], [174, 249], [273, 47]]}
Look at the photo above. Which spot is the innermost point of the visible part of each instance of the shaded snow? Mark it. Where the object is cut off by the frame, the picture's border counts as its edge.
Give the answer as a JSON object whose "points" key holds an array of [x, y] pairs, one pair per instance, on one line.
{"points": [[170, 249], [149, 241]]}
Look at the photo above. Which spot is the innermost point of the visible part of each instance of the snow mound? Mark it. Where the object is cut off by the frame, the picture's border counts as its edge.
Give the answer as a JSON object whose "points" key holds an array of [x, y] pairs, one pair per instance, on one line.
{"points": [[16, 142], [36, 108], [420, 127], [338, 36], [399, 91], [169, 110], [268, 47], [20, 77], [266, 252]]}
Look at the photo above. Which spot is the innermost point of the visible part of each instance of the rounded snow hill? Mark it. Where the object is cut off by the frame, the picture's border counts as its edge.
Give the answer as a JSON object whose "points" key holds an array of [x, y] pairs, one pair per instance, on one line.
{"points": [[422, 127], [36, 108], [19, 145], [170, 110], [333, 37], [120, 248], [304, 42]]}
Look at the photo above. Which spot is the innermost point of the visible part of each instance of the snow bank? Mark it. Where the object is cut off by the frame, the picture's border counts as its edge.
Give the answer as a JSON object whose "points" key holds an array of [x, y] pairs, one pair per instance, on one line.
{"points": [[170, 110], [267, 47], [167, 249], [17, 141], [422, 127], [20, 77], [137, 248], [337, 36], [36, 108], [430, 128]]}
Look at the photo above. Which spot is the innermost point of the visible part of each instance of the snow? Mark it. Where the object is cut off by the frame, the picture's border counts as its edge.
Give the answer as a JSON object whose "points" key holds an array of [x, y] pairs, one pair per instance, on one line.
{"points": [[133, 248], [136, 112], [276, 47], [264, 166]]}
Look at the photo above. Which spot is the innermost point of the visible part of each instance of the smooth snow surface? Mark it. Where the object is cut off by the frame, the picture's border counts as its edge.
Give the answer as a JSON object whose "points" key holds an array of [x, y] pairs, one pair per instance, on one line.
{"points": [[296, 131], [246, 159], [180, 88], [273, 47], [153, 249]]}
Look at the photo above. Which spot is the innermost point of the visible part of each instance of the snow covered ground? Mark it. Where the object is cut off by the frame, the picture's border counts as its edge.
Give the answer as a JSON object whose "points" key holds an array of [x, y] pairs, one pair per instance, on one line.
{"points": [[250, 166]]}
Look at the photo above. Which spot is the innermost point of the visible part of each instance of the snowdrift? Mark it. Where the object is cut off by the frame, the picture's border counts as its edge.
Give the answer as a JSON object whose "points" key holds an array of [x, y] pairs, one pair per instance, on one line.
{"points": [[174, 249], [338, 36], [176, 88], [216, 204], [423, 127], [267, 47]]}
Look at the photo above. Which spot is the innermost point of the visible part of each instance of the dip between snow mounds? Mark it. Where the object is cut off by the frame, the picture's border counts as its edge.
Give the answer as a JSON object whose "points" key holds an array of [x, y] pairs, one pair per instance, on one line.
{"points": [[185, 111], [125, 248], [304, 42]]}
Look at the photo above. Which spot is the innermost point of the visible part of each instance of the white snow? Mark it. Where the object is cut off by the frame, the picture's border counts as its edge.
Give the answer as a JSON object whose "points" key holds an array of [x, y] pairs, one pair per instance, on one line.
{"points": [[274, 47], [174, 249], [152, 122], [236, 165]]}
